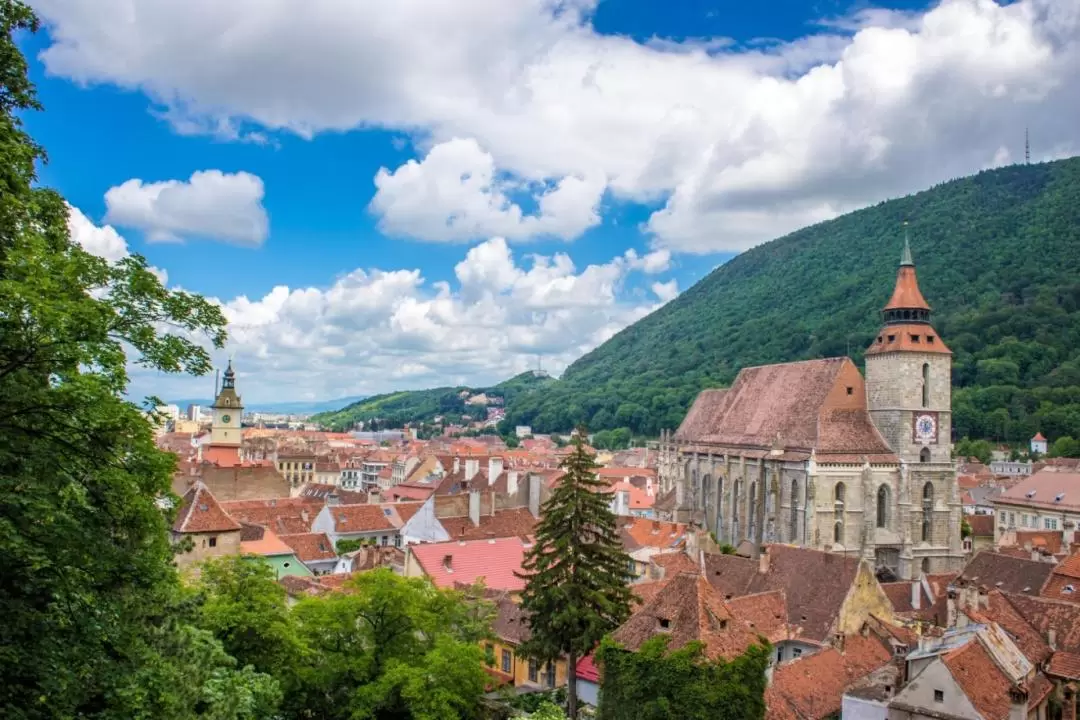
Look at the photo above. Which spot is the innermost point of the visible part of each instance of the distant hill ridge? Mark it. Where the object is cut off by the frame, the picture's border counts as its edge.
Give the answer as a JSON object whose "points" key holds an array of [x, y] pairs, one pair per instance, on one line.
{"points": [[998, 258]]}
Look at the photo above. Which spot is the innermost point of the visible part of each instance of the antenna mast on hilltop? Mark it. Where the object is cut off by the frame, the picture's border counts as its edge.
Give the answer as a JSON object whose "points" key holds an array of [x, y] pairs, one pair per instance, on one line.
{"points": [[1027, 147]]}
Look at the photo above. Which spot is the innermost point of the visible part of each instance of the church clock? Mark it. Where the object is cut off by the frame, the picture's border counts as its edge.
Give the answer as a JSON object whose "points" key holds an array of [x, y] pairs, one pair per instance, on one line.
{"points": [[925, 428], [225, 419]]}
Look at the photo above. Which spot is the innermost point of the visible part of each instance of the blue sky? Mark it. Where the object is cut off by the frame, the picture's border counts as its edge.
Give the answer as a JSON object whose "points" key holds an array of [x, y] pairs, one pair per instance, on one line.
{"points": [[683, 132]]}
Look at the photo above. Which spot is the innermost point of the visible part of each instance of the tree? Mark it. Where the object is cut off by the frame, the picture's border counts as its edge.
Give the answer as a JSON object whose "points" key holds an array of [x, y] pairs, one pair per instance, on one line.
{"points": [[390, 647], [655, 683], [1065, 447], [244, 607], [95, 622], [347, 545], [981, 450], [576, 572]]}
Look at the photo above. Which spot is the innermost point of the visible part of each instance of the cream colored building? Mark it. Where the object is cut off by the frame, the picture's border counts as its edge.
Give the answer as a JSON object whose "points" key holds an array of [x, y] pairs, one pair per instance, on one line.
{"points": [[810, 453]]}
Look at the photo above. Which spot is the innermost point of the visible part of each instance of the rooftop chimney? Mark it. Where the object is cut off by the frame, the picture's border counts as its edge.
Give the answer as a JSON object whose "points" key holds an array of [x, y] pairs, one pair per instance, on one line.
{"points": [[472, 466], [448, 563], [474, 507], [763, 561], [534, 494], [495, 468], [457, 464], [512, 483], [332, 498], [1051, 638], [916, 594]]}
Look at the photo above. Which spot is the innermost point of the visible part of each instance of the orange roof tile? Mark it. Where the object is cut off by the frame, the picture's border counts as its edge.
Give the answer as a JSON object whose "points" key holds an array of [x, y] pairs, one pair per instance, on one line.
{"points": [[200, 512], [1065, 665], [653, 533], [512, 522], [310, 547], [910, 337], [906, 294], [497, 562], [269, 544], [980, 678]]}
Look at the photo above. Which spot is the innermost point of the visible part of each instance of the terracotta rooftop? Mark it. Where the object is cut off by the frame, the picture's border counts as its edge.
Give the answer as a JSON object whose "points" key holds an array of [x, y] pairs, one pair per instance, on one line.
{"points": [[643, 532], [981, 525], [310, 547], [371, 518], [512, 522], [819, 404], [1023, 634], [1045, 615], [268, 544], [688, 609], [1007, 574], [913, 337], [813, 687], [282, 515], [495, 561], [979, 677], [1064, 580], [200, 512], [765, 613], [815, 583], [510, 622], [1049, 488], [1065, 665]]}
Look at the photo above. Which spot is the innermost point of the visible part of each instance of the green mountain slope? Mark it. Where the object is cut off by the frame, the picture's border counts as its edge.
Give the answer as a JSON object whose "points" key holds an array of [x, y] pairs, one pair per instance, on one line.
{"points": [[416, 406], [998, 258]]}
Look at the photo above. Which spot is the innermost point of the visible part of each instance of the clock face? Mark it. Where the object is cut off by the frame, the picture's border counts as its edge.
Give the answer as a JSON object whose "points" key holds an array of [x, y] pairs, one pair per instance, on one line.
{"points": [[926, 428], [225, 418]]}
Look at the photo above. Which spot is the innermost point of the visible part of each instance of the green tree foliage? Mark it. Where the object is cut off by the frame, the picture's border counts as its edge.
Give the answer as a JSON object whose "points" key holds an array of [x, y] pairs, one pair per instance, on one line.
{"points": [[979, 449], [548, 711], [654, 684], [394, 410], [244, 606], [576, 572], [997, 259], [347, 545], [1065, 447], [94, 621], [389, 647]]}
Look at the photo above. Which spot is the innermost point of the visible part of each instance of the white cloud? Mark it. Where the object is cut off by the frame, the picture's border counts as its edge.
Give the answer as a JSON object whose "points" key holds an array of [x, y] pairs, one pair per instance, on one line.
{"points": [[741, 144], [211, 204], [666, 291], [455, 194], [102, 241], [374, 330]]}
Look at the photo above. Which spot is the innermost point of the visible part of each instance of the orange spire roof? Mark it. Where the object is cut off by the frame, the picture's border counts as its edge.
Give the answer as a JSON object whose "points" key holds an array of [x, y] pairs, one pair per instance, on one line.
{"points": [[906, 295]]}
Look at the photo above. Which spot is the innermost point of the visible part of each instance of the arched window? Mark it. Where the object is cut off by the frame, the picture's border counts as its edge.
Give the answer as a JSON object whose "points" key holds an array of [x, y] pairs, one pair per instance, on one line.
{"points": [[706, 495], [735, 527], [924, 455], [928, 510], [926, 566], [838, 533], [838, 494], [838, 513], [794, 510], [883, 506], [751, 512], [926, 385], [719, 506]]}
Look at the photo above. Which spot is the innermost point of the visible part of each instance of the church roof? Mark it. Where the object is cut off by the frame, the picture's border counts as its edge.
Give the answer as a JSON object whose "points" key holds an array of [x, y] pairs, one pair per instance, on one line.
{"points": [[906, 295], [814, 404], [908, 337], [200, 512]]}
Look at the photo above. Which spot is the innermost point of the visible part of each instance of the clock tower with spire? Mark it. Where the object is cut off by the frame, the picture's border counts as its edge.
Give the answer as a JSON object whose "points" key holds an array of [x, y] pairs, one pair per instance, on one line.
{"points": [[909, 375], [225, 430]]}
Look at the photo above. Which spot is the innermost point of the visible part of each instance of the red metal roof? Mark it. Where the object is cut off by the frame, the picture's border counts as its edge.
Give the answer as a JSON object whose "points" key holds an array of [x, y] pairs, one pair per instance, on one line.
{"points": [[495, 561]]}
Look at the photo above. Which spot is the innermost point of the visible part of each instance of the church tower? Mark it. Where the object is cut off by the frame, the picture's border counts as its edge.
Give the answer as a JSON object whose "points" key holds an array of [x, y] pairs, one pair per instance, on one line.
{"points": [[225, 430], [909, 375]]}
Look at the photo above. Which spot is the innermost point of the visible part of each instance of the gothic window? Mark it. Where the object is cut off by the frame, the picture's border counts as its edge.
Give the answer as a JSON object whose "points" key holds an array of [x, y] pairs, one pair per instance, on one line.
{"points": [[883, 506], [719, 506], [926, 385], [794, 510], [751, 514], [928, 510], [706, 495], [838, 512], [735, 511], [924, 455], [925, 565]]}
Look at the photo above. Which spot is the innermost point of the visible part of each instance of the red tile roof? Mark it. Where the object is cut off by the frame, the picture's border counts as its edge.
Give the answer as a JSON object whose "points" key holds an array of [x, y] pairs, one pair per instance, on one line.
{"points": [[1047, 485], [1039, 437], [587, 669], [765, 613], [268, 544], [644, 532], [495, 561], [1046, 615], [200, 512], [1007, 574], [282, 515], [904, 340], [513, 522], [981, 679], [310, 547], [1064, 665], [688, 609], [812, 688], [371, 518], [981, 525]]}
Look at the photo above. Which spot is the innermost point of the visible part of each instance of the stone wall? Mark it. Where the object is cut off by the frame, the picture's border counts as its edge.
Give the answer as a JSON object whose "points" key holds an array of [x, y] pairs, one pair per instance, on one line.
{"points": [[225, 543], [894, 383]]}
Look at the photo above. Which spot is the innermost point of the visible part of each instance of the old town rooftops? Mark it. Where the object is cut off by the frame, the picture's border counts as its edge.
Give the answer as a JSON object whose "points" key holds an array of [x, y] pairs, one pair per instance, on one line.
{"points": [[1049, 488], [200, 512]]}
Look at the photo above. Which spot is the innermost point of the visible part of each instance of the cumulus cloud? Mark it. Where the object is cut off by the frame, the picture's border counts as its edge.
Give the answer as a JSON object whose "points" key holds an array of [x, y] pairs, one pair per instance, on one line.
{"points": [[739, 145], [211, 204], [666, 291], [102, 241], [375, 330], [455, 193]]}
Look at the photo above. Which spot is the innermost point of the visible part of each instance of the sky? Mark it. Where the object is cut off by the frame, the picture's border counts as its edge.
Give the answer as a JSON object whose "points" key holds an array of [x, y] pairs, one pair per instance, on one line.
{"points": [[396, 195]]}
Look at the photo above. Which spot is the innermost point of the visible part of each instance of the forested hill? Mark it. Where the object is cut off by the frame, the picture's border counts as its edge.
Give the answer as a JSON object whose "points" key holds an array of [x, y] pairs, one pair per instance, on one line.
{"points": [[998, 258], [422, 406]]}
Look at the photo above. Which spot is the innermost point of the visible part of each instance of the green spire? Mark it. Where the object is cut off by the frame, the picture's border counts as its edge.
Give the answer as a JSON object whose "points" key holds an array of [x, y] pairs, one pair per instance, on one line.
{"points": [[905, 258]]}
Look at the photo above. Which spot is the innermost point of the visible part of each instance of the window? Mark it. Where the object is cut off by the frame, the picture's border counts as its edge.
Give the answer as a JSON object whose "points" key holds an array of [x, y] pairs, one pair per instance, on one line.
{"points": [[928, 510], [850, 390], [664, 623], [385, 540], [924, 455], [286, 564], [930, 339], [534, 672], [507, 661], [892, 338], [1050, 523], [779, 654], [794, 511], [915, 339], [549, 675], [926, 385], [796, 652], [1012, 519], [212, 542], [397, 541], [883, 506], [939, 696]]}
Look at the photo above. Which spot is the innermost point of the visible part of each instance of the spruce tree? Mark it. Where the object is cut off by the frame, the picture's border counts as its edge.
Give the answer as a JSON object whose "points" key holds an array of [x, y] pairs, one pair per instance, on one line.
{"points": [[576, 573]]}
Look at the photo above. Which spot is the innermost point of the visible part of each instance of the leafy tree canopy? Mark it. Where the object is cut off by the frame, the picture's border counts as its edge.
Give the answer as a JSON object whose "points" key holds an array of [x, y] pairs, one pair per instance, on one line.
{"points": [[655, 684]]}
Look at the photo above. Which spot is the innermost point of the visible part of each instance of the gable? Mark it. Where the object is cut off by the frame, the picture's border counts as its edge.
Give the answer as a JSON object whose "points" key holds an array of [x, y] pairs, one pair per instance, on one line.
{"points": [[919, 693]]}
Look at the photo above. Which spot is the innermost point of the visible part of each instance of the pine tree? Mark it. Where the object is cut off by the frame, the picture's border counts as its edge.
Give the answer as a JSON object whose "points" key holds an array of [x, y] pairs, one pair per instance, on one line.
{"points": [[576, 573]]}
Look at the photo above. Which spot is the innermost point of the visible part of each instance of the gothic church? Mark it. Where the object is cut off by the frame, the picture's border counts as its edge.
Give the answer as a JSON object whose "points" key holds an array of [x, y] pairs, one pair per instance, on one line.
{"points": [[810, 453]]}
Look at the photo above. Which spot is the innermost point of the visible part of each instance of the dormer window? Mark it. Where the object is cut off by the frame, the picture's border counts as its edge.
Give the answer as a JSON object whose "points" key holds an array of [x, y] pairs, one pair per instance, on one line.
{"points": [[892, 338], [930, 339], [664, 623], [914, 338], [850, 390]]}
